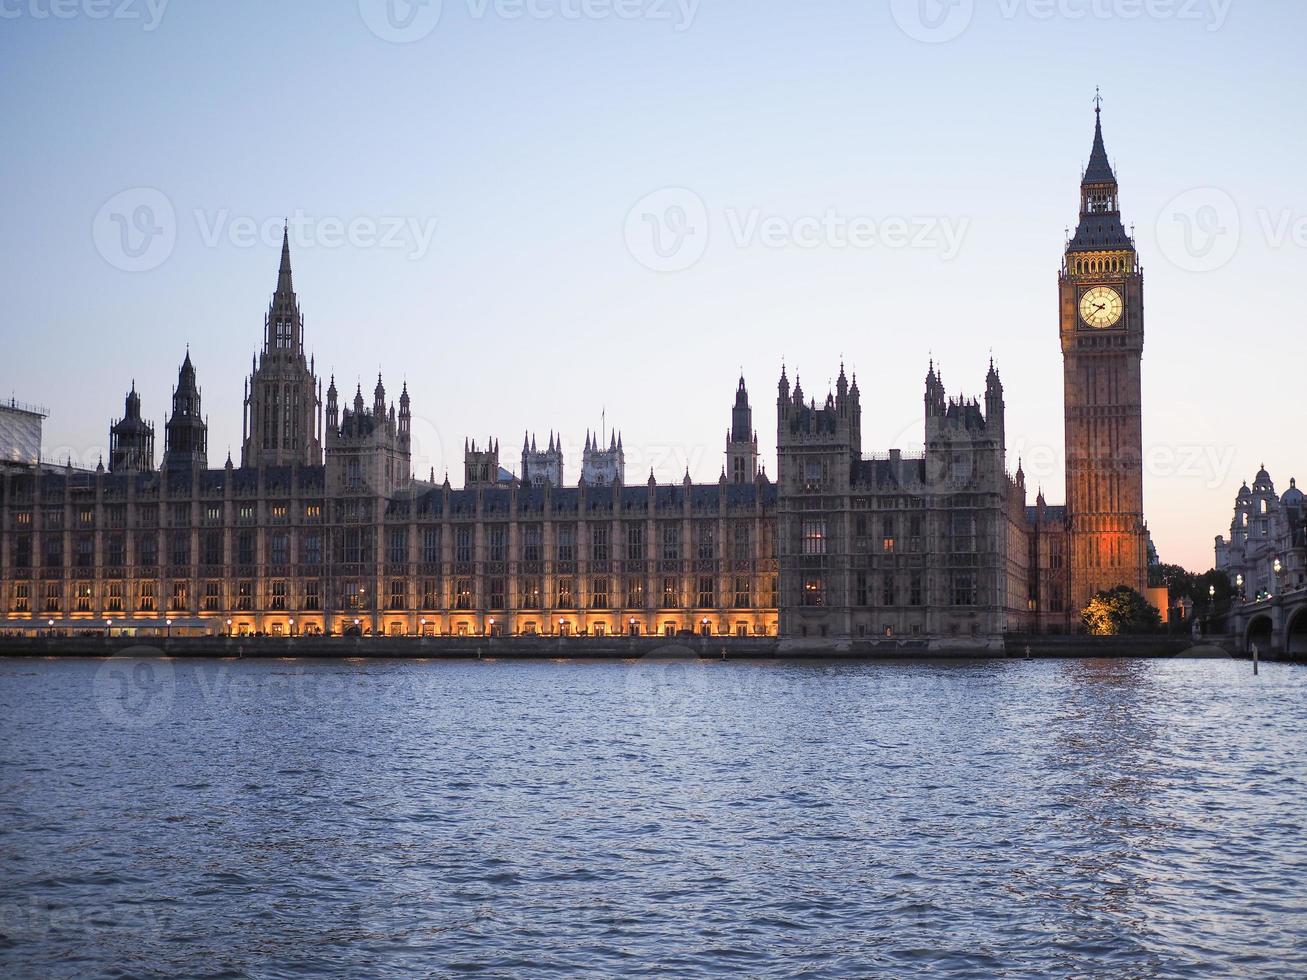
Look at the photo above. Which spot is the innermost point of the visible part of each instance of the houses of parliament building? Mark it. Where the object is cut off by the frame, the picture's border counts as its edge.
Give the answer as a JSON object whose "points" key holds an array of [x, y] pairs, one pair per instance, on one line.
{"points": [[323, 529]]}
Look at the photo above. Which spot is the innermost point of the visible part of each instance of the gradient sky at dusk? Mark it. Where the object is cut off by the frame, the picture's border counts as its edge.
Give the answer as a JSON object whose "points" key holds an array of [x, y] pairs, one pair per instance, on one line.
{"points": [[529, 140]]}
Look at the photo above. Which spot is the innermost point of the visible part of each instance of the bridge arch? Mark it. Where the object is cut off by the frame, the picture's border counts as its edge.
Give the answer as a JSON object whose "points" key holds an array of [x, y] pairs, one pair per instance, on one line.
{"points": [[1261, 631], [1295, 637]]}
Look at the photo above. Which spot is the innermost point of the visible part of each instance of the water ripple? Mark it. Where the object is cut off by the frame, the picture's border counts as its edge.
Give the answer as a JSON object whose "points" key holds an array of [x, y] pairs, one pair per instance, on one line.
{"points": [[1022, 819]]}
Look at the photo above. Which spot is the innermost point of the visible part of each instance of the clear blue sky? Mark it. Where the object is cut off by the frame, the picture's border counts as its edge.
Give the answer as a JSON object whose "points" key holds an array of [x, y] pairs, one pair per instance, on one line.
{"points": [[529, 140]]}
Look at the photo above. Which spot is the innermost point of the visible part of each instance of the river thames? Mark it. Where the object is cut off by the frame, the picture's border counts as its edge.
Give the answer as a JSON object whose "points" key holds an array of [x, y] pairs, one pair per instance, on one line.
{"points": [[1024, 818]]}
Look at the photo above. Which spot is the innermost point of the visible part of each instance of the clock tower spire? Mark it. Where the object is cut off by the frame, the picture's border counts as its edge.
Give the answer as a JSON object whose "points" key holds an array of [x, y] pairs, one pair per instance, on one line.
{"points": [[1101, 290]]}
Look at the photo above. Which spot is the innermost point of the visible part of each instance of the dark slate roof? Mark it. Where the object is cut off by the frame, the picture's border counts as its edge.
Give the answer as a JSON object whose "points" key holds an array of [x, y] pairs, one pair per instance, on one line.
{"points": [[1099, 170], [1101, 230], [1053, 514]]}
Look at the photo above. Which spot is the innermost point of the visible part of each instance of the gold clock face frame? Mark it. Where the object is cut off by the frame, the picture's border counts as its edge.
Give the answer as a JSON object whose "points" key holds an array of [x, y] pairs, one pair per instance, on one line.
{"points": [[1101, 307]]}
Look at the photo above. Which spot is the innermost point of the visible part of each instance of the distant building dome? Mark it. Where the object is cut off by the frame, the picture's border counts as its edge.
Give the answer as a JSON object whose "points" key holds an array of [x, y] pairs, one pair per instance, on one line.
{"points": [[1293, 496], [1262, 481]]}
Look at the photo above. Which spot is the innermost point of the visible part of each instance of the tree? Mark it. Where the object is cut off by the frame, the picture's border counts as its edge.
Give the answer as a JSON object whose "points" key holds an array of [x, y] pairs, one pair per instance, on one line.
{"points": [[1119, 611], [1179, 581], [1197, 588]]}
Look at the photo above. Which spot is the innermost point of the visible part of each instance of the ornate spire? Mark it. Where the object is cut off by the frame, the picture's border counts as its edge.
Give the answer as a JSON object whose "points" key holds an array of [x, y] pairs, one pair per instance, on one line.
{"points": [[1099, 170], [284, 285]]}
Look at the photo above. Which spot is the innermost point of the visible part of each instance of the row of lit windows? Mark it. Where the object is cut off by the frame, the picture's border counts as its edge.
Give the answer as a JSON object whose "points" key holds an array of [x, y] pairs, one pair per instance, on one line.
{"points": [[356, 595]]}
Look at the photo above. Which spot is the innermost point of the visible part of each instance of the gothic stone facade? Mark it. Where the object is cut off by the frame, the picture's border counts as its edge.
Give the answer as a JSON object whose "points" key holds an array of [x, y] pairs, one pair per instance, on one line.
{"points": [[322, 528]]}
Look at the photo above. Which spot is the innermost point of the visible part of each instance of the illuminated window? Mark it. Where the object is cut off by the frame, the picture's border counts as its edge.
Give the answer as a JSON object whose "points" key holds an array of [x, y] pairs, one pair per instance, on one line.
{"points": [[742, 593], [671, 594], [814, 537], [707, 592], [530, 594], [814, 591], [463, 594]]}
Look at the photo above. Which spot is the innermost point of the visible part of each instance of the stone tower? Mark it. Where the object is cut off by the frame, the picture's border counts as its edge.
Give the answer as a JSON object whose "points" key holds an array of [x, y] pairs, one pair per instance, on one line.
{"points": [[741, 440], [542, 467], [603, 467], [1101, 288], [817, 450], [368, 451], [131, 439], [283, 398], [186, 436], [480, 466]]}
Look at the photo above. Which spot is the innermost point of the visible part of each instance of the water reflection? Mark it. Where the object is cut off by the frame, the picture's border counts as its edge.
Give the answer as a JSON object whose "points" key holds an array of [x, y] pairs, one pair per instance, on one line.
{"points": [[1034, 818]]}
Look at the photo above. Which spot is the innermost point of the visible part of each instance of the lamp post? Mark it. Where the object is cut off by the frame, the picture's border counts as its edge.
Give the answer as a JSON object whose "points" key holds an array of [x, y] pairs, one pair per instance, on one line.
{"points": [[422, 626], [169, 624], [109, 624], [291, 626], [229, 629], [492, 628]]}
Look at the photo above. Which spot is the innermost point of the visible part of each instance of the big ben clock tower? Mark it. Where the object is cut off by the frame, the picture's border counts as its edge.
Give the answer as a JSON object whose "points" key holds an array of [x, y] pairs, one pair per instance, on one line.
{"points": [[1101, 289]]}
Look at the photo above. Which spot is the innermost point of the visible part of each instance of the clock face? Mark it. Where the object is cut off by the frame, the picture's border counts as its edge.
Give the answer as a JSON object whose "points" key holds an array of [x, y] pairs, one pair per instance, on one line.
{"points": [[1101, 307]]}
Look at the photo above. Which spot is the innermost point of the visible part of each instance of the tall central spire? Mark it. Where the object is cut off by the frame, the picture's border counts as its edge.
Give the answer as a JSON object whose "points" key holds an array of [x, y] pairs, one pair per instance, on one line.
{"points": [[284, 285], [1099, 170], [1100, 226]]}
